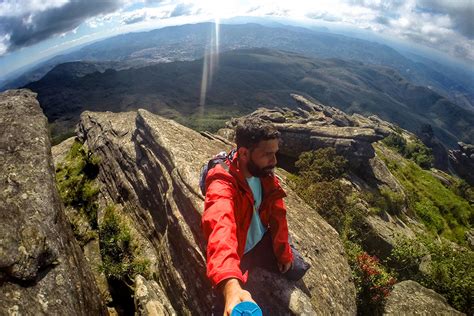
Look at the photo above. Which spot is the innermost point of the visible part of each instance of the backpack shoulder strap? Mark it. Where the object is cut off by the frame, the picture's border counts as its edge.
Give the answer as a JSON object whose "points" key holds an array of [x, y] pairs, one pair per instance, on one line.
{"points": [[224, 165]]}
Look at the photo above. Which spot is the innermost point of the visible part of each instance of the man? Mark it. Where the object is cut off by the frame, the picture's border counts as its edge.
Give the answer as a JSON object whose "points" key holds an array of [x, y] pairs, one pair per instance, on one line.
{"points": [[244, 219]]}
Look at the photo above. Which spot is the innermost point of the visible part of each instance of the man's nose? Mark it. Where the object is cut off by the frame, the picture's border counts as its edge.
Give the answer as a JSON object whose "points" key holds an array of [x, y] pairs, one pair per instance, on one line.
{"points": [[274, 160]]}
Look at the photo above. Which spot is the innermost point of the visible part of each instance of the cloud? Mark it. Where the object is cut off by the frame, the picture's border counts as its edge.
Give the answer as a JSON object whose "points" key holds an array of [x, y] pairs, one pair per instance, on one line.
{"points": [[324, 16], [42, 22], [383, 20], [4, 43], [460, 12], [182, 9], [381, 5], [445, 25], [135, 18]]}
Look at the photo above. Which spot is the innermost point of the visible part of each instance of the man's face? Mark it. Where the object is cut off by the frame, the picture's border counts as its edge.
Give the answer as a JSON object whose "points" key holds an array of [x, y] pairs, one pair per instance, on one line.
{"points": [[262, 159]]}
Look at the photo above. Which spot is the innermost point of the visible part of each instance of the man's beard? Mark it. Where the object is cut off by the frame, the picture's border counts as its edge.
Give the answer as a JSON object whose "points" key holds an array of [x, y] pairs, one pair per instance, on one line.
{"points": [[256, 171]]}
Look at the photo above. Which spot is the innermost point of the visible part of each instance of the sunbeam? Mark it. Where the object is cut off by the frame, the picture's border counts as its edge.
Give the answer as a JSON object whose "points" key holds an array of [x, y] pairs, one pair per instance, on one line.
{"points": [[210, 63]]}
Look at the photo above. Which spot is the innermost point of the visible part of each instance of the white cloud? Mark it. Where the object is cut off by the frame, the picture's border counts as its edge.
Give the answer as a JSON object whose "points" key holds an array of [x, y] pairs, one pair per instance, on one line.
{"points": [[443, 25], [4, 43]]}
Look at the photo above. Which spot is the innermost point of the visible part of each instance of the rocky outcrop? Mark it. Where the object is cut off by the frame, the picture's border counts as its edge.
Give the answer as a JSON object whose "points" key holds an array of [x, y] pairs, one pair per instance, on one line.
{"points": [[42, 268], [462, 161], [150, 166], [410, 298], [315, 126]]}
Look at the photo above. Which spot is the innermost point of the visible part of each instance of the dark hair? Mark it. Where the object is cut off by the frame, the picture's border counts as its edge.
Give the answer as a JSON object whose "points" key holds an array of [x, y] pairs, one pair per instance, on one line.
{"points": [[252, 130]]}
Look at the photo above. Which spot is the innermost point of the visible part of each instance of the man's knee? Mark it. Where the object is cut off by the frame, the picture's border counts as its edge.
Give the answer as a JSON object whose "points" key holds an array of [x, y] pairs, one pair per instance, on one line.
{"points": [[298, 268]]}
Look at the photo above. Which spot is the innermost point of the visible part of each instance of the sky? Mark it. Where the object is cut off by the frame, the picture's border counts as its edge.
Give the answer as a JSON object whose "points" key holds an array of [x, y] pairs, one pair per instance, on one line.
{"points": [[31, 30]]}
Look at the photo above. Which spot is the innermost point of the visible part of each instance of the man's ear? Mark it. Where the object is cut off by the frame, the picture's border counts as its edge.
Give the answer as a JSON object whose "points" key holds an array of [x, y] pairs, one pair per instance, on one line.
{"points": [[243, 154]]}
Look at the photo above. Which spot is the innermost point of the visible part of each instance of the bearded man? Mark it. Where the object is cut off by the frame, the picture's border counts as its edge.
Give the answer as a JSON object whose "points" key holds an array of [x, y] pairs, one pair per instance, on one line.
{"points": [[244, 220]]}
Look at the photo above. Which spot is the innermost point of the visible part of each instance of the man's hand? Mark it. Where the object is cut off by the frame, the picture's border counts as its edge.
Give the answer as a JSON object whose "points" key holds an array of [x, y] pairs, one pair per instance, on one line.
{"points": [[284, 267], [233, 295]]}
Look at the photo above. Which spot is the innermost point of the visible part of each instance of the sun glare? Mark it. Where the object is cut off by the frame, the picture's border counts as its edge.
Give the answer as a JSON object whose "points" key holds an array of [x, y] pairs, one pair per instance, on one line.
{"points": [[219, 9]]}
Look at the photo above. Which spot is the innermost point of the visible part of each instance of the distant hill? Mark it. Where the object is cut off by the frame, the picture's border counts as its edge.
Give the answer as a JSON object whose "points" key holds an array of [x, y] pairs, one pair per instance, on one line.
{"points": [[189, 42], [246, 79]]}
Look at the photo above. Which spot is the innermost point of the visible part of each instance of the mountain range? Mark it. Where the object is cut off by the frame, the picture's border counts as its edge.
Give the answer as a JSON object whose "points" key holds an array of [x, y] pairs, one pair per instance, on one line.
{"points": [[190, 42], [244, 80]]}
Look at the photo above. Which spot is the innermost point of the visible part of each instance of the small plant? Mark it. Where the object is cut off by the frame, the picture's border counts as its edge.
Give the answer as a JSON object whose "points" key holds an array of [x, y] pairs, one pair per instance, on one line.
{"points": [[419, 153], [119, 250], [395, 141], [373, 282], [385, 200]]}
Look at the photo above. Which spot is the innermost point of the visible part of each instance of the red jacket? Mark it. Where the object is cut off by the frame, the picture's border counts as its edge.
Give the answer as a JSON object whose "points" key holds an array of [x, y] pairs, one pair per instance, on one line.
{"points": [[227, 215]]}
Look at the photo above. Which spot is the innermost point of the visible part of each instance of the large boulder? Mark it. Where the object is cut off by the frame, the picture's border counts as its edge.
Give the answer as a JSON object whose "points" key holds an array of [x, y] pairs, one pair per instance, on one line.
{"points": [[42, 268], [150, 166], [411, 298]]}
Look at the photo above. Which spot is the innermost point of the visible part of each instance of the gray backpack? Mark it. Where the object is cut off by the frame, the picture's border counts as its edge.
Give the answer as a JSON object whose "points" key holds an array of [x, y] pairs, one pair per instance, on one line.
{"points": [[220, 158]]}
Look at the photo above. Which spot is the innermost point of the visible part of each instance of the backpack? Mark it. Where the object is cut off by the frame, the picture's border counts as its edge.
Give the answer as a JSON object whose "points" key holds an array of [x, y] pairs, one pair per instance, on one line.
{"points": [[220, 158]]}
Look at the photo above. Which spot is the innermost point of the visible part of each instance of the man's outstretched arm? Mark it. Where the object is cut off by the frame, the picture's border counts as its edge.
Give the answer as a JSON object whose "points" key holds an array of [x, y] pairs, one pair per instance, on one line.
{"points": [[219, 228]]}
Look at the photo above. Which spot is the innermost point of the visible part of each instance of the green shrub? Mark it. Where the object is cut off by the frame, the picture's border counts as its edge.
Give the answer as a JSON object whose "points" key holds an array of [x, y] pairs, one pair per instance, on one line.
{"points": [[395, 141], [463, 189], [430, 215], [120, 253], [414, 150], [75, 180], [321, 165], [419, 153], [317, 182], [385, 200], [450, 270]]}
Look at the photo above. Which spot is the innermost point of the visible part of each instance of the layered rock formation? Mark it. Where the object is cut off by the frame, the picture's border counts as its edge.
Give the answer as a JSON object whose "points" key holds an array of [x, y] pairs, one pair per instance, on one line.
{"points": [[150, 166], [315, 126], [410, 298], [462, 160], [42, 268]]}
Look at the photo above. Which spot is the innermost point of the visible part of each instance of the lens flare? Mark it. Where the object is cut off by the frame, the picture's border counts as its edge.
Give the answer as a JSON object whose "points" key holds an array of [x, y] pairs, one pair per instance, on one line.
{"points": [[210, 63]]}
